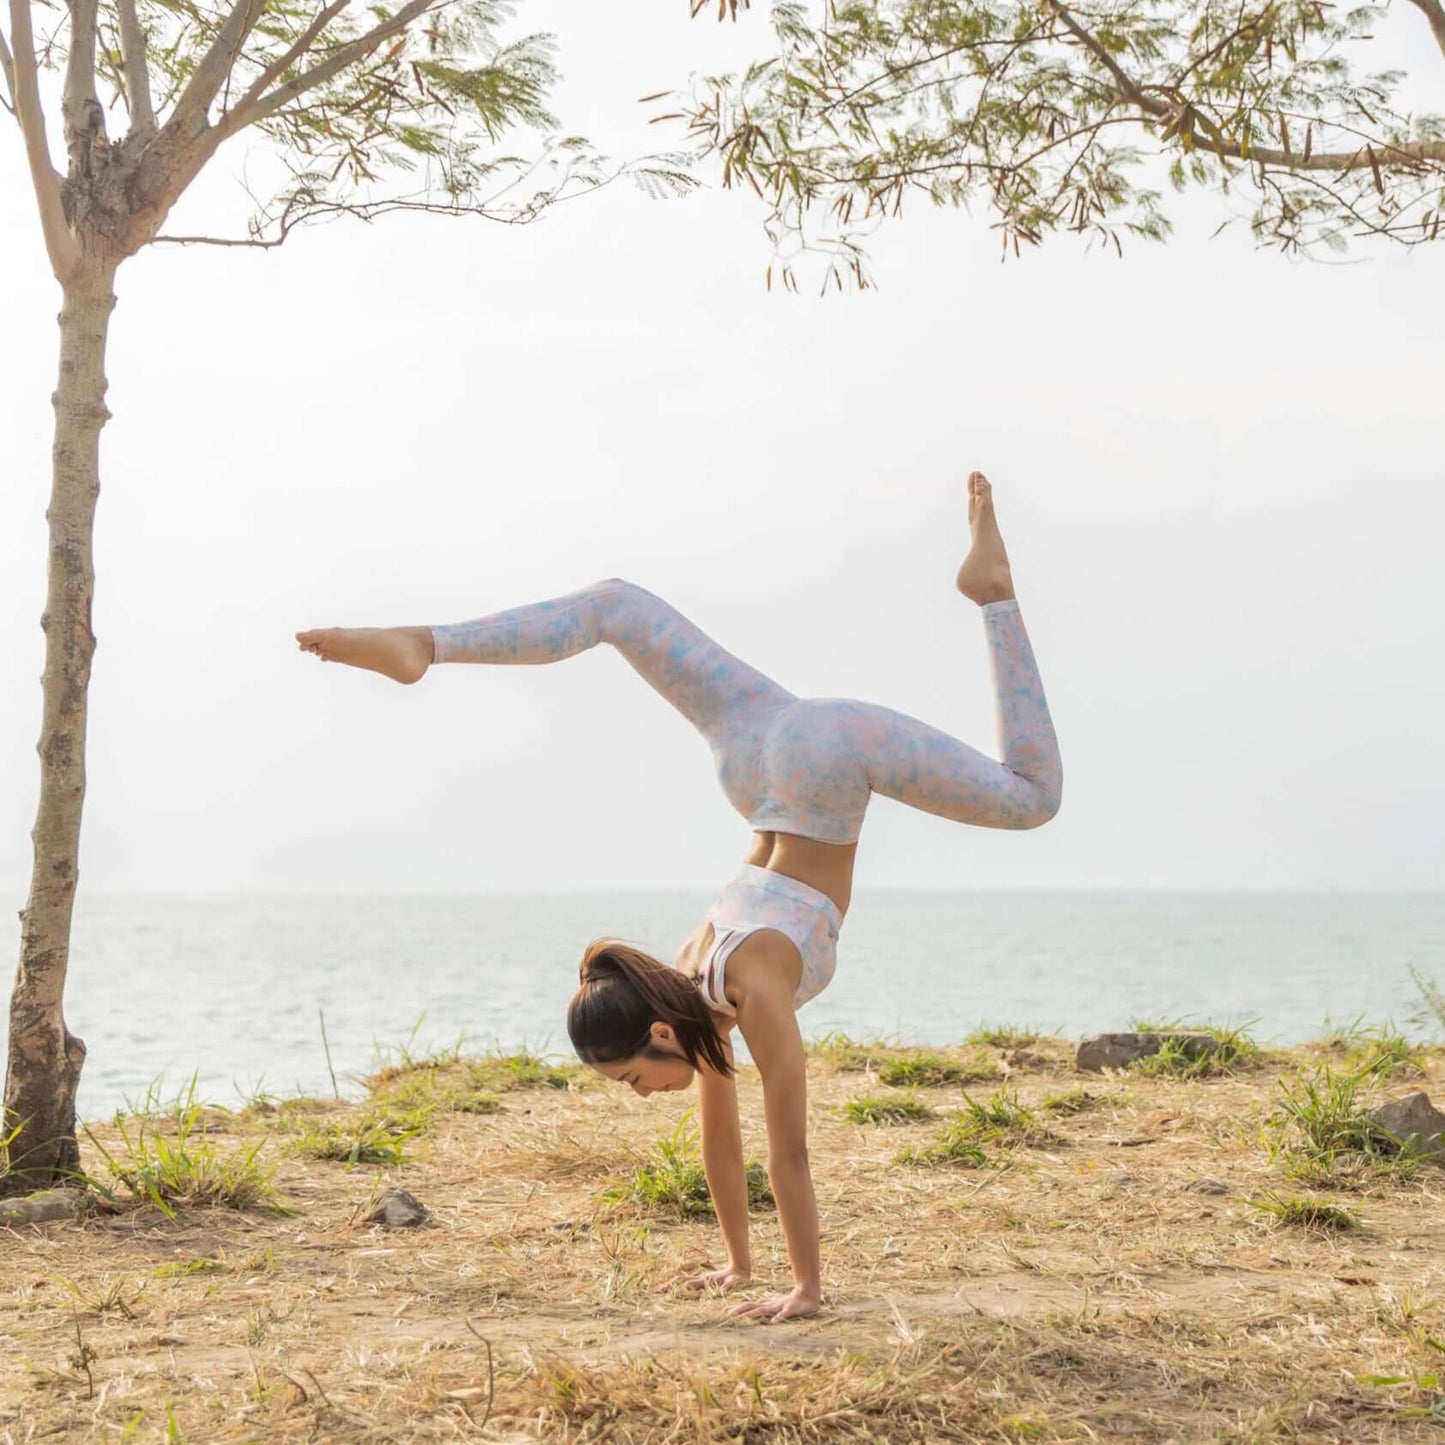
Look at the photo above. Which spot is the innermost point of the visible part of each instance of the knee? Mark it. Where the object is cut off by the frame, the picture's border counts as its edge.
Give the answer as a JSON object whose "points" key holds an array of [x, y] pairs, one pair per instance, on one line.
{"points": [[1042, 806], [612, 598]]}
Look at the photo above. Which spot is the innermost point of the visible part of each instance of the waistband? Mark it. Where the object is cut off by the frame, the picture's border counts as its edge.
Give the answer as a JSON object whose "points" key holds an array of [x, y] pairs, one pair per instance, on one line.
{"points": [[768, 881]]}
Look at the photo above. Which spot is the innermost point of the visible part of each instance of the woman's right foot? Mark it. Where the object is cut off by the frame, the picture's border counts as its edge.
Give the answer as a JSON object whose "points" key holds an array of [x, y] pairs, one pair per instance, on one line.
{"points": [[400, 653], [984, 576]]}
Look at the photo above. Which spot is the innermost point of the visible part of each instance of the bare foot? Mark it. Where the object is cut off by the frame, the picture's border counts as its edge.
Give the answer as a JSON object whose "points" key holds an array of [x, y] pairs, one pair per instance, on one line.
{"points": [[400, 653], [984, 576]]}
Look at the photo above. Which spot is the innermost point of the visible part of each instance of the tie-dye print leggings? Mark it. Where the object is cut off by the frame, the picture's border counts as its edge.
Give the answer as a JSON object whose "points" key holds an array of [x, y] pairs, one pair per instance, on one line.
{"points": [[799, 765]]}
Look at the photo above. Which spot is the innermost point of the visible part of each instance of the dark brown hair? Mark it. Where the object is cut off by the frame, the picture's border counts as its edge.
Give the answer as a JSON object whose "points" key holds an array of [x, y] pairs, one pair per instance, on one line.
{"points": [[624, 992]]}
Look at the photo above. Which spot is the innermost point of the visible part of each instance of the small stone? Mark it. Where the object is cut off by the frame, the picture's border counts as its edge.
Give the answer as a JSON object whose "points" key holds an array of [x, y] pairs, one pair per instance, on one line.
{"points": [[396, 1209], [43, 1207], [894, 1253], [1416, 1123], [1206, 1184], [1118, 1051]]}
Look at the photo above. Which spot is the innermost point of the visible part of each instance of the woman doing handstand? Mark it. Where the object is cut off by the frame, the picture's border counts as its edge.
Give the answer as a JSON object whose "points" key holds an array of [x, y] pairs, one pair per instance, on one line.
{"points": [[801, 771]]}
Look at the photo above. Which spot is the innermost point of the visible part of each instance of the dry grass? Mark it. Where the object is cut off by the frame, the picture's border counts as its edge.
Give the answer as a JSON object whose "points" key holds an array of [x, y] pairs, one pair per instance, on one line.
{"points": [[1083, 1289]]}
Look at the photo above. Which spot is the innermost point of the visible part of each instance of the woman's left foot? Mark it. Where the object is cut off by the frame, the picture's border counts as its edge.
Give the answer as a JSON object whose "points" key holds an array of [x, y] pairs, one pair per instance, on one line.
{"points": [[984, 576], [400, 653]]}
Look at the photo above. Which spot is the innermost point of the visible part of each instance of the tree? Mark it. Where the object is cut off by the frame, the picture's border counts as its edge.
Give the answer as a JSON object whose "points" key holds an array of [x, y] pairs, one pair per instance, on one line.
{"points": [[1068, 116], [398, 109]]}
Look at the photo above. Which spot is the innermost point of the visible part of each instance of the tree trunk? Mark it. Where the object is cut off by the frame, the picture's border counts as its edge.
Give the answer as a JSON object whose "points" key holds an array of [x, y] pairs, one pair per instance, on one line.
{"points": [[43, 1068]]}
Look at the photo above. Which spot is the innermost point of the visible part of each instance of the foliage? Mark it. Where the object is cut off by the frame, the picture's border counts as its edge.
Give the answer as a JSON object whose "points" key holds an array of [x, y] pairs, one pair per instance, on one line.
{"points": [[1432, 1000], [1002, 1036], [1376, 1049], [920, 1068], [1002, 1119], [904, 1108], [1070, 1101], [368, 1140], [671, 1179], [1323, 1133], [1071, 117], [1308, 1212], [1230, 1050], [165, 1157]]}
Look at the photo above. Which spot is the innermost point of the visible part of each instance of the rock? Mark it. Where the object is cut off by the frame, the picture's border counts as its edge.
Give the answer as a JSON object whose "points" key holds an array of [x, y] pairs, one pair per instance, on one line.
{"points": [[1206, 1184], [396, 1209], [1118, 1051], [48, 1204], [1416, 1123]]}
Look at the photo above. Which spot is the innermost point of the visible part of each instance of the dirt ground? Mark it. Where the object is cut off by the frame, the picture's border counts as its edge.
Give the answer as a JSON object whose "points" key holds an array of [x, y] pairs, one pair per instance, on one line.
{"points": [[1080, 1288]]}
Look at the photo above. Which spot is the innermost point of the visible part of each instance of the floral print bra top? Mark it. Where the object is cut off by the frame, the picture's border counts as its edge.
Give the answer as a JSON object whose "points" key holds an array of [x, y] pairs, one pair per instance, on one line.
{"points": [[760, 899]]}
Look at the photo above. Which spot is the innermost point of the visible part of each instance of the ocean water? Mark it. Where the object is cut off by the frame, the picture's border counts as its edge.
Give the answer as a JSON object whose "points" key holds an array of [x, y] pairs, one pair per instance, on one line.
{"points": [[231, 988]]}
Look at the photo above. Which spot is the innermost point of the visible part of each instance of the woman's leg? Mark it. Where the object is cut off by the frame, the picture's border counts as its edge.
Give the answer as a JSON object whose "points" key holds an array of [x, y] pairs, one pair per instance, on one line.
{"points": [[823, 758], [703, 681], [928, 769], [714, 690]]}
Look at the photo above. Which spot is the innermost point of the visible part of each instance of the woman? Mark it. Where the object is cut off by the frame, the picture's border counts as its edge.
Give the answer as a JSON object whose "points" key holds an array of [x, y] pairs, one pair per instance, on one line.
{"points": [[801, 772]]}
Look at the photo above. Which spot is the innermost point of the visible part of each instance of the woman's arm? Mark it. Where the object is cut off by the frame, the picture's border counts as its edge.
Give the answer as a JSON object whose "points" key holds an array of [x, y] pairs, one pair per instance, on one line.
{"points": [[765, 987], [727, 1180]]}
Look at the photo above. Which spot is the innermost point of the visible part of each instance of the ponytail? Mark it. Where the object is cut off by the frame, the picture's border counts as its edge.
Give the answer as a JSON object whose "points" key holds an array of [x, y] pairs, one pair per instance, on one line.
{"points": [[623, 993]]}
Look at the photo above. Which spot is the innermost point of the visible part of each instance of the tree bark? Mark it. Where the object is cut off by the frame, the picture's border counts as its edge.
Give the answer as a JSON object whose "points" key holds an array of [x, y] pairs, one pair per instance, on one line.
{"points": [[45, 1058]]}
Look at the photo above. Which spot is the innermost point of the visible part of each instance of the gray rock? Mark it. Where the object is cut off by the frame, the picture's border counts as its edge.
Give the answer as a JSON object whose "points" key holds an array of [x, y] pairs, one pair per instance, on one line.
{"points": [[1118, 1051], [48, 1204], [1416, 1123], [396, 1209], [1207, 1184]]}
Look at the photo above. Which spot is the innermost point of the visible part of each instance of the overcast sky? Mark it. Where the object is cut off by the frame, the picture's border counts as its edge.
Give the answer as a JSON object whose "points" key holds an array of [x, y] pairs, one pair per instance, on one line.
{"points": [[1219, 472]]}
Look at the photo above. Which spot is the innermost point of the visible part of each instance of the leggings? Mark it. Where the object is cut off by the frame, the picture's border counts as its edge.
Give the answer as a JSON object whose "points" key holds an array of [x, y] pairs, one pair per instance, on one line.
{"points": [[804, 766]]}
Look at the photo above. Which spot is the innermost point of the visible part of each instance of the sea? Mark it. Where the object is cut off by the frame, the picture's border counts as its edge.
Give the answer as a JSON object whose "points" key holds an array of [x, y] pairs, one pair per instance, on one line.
{"points": [[238, 995]]}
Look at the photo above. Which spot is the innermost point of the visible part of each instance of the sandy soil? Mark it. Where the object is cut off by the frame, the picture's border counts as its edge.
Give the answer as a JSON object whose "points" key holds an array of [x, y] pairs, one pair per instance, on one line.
{"points": [[1080, 1289]]}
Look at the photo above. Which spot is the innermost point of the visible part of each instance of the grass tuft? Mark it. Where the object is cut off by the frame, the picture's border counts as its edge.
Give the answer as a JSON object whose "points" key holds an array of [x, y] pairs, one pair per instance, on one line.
{"points": [[1323, 1133], [921, 1068], [164, 1157], [846, 1055], [1071, 1101], [367, 1140], [1002, 1036], [671, 1181], [887, 1109], [1230, 1052], [1310, 1213], [1002, 1119]]}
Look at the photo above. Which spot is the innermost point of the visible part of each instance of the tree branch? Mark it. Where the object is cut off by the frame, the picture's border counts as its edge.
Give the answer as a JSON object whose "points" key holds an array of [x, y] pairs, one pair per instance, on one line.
{"points": [[1127, 87], [84, 117], [259, 110], [189, 119], [1434, 12], [274, 72], [7, 64], [1412, 153], [61, 247], [137, 72]]}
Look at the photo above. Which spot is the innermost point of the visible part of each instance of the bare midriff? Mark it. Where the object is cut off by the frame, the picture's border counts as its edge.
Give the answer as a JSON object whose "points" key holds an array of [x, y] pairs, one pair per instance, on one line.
{"points": [[828, 867]]}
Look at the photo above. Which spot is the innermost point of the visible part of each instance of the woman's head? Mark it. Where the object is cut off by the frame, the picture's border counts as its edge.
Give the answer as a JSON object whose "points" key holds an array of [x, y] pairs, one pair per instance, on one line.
{"points": [[637, 1021]]}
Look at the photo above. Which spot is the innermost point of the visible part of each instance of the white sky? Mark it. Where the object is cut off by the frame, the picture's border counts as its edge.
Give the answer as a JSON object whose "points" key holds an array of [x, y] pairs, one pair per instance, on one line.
{"points": [[1219, 473]]}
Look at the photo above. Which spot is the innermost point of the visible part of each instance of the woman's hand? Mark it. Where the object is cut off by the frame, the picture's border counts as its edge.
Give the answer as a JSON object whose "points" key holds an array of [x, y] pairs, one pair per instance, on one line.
{"points": [[776, 1308], [719, 1280]]}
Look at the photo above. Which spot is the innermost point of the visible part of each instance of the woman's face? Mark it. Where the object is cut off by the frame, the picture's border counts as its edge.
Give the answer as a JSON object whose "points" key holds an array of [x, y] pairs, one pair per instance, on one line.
{"points": [[662, 1071]]}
